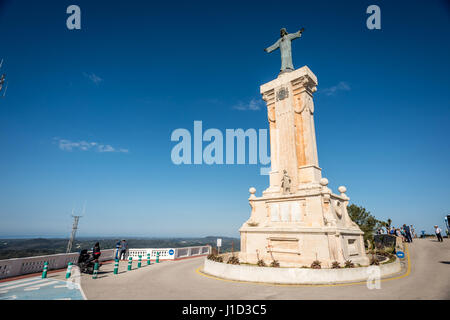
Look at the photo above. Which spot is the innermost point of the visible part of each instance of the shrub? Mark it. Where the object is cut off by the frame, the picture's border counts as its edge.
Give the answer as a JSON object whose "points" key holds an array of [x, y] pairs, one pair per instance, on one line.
{"points": [[212, 257], [374, 261], [261, 263], [349, 264], [316, 264], [391, 259], [233, 260], [275, 264], [215, 257], [335, 265]]}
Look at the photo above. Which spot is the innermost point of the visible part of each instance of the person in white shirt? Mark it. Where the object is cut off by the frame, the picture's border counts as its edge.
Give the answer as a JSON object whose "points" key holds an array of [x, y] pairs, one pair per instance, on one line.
{"points": [[438, 233], [413, 232]]}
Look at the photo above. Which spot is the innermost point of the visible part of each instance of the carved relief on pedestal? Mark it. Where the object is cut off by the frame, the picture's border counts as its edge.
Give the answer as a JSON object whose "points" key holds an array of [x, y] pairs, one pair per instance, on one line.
{"points": [[282, 93], [338, 207], [332, 244], [274, 212], [296, 211], [283, 245], [327, 206], [348, 220], [286, 183], [288, 211]]}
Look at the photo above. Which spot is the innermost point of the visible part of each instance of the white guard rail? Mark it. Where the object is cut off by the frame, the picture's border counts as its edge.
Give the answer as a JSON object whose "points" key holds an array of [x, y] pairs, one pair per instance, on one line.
{"points": [[20, 266], [169, 253]]}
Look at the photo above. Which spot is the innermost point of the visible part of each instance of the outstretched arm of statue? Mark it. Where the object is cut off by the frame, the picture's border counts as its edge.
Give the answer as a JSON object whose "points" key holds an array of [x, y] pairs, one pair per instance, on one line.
{"points": [[272, 47], [297, 34]]}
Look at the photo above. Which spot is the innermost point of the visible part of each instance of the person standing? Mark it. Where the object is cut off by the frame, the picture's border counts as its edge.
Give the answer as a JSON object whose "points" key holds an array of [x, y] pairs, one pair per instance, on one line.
{"points": [[96, 251], [118, 244], [438, 233], [123, 249], [407, 233], [413, 231], [398, 233]]}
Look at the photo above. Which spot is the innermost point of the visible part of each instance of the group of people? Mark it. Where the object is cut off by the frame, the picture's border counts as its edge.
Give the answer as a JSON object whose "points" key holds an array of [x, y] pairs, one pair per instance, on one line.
{"points": [[121, 249], [407, 233]]}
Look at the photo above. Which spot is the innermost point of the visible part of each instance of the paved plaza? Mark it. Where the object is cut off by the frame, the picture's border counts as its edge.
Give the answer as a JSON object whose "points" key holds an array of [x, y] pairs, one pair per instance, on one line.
{"points": [[428, 277], [425, 275]]}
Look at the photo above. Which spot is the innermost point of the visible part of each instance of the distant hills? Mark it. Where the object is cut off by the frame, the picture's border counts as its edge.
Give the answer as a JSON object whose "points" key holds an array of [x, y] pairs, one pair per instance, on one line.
{"points": [[18, 248]]}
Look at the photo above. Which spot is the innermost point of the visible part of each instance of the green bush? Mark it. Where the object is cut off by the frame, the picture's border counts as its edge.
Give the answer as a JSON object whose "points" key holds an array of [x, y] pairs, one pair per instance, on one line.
{"points": [[261, 263], [275, 264], [233, 260], [349, 264], [335, 265]]}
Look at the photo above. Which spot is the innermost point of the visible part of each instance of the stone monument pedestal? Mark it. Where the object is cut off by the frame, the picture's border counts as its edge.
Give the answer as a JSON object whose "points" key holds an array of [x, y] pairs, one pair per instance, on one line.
{"points": [[297, 220]]}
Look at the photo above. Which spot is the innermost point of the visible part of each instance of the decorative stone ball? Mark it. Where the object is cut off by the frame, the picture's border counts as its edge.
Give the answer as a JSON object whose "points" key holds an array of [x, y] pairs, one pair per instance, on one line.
{"points": [[342, 189], [324, 182], [252, 190]]}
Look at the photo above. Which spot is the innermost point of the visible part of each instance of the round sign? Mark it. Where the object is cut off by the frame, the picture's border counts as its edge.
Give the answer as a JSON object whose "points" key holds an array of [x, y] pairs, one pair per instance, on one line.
{"points": [[171, 252], [400, 254]]}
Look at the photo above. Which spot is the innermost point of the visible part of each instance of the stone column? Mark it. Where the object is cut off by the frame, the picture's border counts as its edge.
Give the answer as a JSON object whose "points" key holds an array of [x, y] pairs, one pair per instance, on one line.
{"points": [[274, 177], [306, 146], [290, 110]]}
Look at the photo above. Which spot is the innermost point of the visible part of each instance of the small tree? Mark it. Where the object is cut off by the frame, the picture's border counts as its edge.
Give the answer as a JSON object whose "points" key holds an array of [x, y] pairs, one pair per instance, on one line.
{"points": [[389, 221], [364, 220]]}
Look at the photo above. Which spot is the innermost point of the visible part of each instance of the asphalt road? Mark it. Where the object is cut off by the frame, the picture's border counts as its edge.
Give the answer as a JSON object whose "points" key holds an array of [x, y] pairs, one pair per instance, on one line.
{"points": [[429, 278]]}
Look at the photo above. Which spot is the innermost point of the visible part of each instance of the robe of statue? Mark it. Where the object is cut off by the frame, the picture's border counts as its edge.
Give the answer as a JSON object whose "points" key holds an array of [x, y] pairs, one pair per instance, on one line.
{"points": [[284, 44]]}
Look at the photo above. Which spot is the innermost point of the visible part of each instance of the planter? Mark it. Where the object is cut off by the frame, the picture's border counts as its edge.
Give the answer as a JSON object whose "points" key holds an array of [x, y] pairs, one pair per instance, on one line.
{"points": [[296, 275]]}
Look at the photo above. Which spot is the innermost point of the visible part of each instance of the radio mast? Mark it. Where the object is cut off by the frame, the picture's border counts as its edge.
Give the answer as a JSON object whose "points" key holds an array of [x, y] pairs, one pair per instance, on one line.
{"points": [[74, 230]]}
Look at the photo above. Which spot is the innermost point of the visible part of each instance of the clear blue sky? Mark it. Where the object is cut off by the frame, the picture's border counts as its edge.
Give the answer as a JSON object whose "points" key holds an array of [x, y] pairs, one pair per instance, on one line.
{"points": [[137, 70]]}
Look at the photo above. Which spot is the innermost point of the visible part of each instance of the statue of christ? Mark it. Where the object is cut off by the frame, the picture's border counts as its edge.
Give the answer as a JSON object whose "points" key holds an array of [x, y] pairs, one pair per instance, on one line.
{"points": [[284, 43]]}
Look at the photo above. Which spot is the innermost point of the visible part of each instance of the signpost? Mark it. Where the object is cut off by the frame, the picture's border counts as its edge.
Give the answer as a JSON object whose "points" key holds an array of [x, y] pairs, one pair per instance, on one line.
{"points": [[219, 244]]}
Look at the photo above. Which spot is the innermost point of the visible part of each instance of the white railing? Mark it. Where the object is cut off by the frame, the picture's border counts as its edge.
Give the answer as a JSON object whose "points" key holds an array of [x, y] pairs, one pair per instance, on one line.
{"points": [[169, 253], [20, 266]]}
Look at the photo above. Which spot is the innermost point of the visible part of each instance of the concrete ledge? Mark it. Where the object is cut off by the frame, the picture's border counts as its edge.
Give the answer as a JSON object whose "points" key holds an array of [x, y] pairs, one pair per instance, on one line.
{"points": [[296, 275]]}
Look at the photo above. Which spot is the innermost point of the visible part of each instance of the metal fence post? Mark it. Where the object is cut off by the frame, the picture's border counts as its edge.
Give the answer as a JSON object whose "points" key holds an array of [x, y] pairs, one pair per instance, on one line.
{"points": [[44, 271], [69, 270], [116, 266], [130, 262]]}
